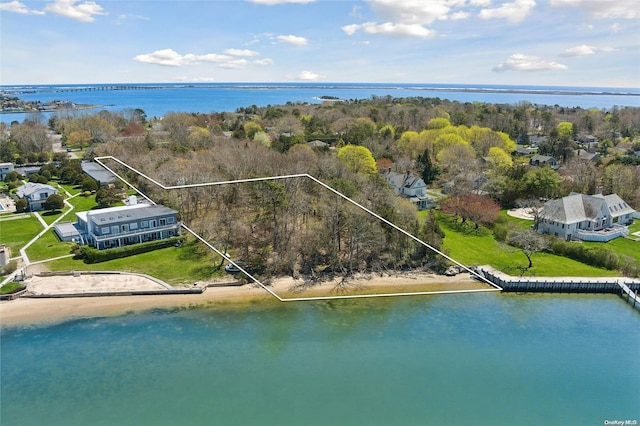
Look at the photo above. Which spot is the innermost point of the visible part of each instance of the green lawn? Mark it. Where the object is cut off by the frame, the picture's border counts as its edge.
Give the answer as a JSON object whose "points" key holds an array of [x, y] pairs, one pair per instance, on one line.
{"points": [[83, 204], [48, 246], [174, 265], [470, 247], [15, 233], [621, 246]]}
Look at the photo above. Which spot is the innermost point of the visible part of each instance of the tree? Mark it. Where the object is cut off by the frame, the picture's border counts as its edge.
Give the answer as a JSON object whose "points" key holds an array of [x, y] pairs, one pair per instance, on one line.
{"points": [[428, 169], [475, 208], [541, 182], [21, 205], [528, 241], [106, 197], [89, 184], [54, 202], [358, 159]]}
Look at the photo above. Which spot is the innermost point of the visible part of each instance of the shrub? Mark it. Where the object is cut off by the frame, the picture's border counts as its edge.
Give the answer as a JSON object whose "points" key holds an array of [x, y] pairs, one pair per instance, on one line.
{"points": [[10, 267], [600, 257], [92, 255]]}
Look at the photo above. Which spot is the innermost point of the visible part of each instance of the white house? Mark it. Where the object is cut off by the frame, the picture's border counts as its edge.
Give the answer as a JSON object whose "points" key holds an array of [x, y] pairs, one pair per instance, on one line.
{"points": [[411, 187], [36, 194], [586, 217]]}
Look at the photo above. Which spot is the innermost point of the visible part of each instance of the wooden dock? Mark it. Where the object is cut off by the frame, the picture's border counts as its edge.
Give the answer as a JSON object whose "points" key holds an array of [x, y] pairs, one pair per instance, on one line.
{"points": [[627, 288], [632, 296]]}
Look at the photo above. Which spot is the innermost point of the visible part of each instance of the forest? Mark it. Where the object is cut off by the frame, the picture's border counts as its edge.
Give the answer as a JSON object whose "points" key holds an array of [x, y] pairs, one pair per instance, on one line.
{"points": [[466, 153]]}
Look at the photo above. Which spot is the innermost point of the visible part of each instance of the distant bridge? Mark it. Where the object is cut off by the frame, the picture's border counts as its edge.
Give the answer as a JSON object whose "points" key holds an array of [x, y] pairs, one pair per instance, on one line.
{"points": [[103, 88]]}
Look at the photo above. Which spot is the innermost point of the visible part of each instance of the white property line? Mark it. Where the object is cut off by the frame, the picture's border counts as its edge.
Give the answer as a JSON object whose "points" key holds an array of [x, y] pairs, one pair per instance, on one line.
{"points": [[303, 175]]}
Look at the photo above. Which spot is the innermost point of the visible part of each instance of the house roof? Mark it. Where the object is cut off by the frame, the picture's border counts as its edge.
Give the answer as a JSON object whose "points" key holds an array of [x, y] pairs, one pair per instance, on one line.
{"points": [[406, 180], [97, 172], [126, 213], [541, 158], [578, 207], [31, 188], [317, 144], [616, 205]]}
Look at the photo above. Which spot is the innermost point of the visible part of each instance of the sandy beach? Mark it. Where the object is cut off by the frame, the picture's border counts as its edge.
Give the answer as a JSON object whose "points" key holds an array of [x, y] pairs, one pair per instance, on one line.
{"points": [[47, 310]]}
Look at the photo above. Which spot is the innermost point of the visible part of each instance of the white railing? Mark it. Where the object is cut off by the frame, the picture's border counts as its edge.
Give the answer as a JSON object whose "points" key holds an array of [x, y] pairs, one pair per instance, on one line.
{"points": [[603, 236]]}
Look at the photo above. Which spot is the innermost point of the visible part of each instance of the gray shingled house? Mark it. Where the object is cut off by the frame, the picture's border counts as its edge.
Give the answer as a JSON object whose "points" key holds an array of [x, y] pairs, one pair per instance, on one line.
{"points": [[586, 217], [411, 187], [126, 225]]}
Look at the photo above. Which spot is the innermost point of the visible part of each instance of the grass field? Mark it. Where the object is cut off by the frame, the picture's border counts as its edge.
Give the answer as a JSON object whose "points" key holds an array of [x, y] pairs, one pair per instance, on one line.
{"points": [[471, 247], [15, 233], [48, 246], [174, 265]]}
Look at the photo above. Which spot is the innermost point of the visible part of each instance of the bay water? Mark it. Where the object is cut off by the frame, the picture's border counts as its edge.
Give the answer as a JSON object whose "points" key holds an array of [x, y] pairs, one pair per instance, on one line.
{"points": [[475, 359], [159, 99]]}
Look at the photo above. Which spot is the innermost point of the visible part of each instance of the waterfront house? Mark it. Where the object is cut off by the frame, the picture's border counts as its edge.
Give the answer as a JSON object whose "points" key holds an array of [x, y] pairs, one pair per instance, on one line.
{"points": [[412, 187], [586, 217], [125, 225], [36, 194]]}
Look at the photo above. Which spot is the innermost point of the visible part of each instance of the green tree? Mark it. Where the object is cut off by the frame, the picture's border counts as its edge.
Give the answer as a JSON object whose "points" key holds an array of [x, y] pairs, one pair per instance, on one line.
{"points": [[21, 205], [54, 202], [107, 197], [358, 159], [541, 182], [428, 169], [89, 184]]}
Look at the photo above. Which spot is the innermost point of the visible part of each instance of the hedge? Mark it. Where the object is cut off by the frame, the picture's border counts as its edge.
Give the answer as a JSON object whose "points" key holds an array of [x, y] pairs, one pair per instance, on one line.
{"points": [[600, 257], [92, 255]]}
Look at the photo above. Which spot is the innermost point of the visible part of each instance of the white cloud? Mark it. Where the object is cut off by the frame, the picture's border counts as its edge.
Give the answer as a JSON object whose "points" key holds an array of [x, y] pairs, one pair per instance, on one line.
{"points": [[388, 28], [234, 64], [459, 15], [275, 2], [15, 7], [513, 12], [520, 62], [309, 76], [171, 58], [293, 40], [83, 12], [414, 11], [603, 9], [481, 3], [187, 79], [241, 52], [584, 50], [123, 18], [265, 61]]}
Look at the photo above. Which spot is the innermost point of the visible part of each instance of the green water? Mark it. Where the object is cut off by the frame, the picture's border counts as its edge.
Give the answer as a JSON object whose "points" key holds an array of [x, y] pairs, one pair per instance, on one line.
{"points": [[484, 359]]}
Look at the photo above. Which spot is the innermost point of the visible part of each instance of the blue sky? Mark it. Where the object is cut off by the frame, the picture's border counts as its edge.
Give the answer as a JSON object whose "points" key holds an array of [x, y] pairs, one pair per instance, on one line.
{"points": [[592, 43]]}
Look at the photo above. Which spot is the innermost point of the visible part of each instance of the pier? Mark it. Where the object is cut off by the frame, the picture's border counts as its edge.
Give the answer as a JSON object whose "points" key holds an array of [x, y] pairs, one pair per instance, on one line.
{"points": [[627, 288]]}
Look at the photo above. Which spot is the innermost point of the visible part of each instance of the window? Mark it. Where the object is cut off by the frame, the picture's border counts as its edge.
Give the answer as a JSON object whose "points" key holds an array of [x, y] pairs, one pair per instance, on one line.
{"points": [[163, 222], [170, 220], [104, 230], [124, 228], [133, 225], [114, 229], [144, 224]]}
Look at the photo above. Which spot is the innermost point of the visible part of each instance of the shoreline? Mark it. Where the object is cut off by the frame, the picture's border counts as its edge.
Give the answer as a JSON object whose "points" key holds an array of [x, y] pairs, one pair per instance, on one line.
{"points": [[27, 311]]}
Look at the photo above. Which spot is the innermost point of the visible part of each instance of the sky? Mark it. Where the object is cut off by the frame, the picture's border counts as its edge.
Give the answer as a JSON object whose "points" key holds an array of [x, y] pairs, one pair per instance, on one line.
{"points": [[585, 43]]}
